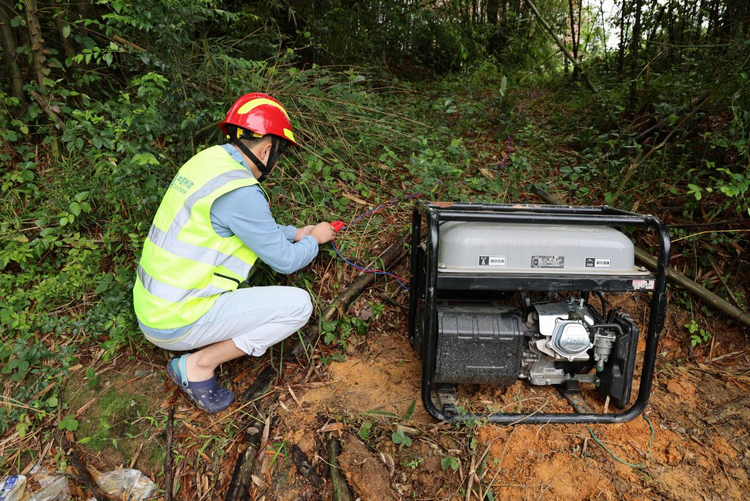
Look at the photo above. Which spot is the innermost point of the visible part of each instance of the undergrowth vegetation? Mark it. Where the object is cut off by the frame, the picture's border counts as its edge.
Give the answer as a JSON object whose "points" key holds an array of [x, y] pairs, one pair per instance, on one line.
{"points": [[73, 223], [124, 97]]}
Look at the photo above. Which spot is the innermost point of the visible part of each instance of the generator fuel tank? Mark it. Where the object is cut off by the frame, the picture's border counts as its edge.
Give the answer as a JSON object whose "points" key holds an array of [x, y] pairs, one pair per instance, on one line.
{"points": [[486, 248]]}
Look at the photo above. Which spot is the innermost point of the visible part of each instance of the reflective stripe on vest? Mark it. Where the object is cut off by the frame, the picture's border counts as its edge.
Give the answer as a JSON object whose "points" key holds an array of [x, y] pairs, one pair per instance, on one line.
{"points": [[172, 293], [185, 264], [168, 240]]}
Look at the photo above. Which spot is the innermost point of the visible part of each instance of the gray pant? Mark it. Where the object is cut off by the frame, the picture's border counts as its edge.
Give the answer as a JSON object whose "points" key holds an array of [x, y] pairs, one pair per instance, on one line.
{"points": [[253, 318]]}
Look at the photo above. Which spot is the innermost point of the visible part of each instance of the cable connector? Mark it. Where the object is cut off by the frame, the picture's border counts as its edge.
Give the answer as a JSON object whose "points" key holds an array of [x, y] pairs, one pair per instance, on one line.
{"points": [[337, 226]]}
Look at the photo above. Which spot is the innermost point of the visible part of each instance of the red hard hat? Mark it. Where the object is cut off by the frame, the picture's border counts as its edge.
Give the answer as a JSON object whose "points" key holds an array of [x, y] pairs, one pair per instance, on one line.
{"points": [[261, 114]]}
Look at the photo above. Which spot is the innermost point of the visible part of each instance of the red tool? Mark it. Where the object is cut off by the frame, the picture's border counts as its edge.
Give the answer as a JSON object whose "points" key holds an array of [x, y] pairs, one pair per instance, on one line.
{"points": [[337, 225]]}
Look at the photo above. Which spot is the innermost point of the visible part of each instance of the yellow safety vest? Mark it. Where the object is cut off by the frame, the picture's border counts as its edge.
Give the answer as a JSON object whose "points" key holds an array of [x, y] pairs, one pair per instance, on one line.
{"points": [[185, 264]]}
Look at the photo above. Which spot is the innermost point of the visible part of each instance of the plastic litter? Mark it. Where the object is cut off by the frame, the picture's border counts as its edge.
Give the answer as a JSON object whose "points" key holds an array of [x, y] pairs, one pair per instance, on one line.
{"points": [[128, 484], [13, 488], [54, 485]]}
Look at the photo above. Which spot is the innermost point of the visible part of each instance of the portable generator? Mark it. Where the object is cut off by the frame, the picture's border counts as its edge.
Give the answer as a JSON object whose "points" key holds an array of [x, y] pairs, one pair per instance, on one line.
{"points": [[501, 293]]}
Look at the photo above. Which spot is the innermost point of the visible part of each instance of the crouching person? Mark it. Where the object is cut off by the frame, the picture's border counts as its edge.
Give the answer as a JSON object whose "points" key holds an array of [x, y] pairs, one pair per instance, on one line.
{"points": [[212, 225]]}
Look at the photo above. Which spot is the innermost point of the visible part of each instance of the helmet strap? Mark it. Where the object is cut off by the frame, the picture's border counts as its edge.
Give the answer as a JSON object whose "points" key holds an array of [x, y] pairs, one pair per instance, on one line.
{"points": [[278, 145]]}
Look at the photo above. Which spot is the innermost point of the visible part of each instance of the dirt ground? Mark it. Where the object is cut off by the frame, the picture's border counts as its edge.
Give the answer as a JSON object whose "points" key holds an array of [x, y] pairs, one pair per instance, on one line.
{"points": [[692, 443], [699, 447]]}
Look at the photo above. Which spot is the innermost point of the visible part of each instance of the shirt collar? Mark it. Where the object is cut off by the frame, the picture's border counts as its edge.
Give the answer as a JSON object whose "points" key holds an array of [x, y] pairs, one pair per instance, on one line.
{"points": [[236, 156]]}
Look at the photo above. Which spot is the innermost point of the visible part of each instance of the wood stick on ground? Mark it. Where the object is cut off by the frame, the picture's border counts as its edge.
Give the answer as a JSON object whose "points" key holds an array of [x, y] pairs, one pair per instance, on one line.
{"points": [[740, 316], [168, 465], [82, 476], [471, 478], [305, 467], [341, 491], [244, 467], [265, 380]]}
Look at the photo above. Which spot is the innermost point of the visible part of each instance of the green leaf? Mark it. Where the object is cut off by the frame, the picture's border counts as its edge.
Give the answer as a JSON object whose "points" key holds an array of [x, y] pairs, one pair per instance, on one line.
{"points": [[66, 31], [364, 432], [410, 410], [449, 462], [401, 438], [68, 423], [90, 373], [74, 208], [672, 119], [329, 326]]}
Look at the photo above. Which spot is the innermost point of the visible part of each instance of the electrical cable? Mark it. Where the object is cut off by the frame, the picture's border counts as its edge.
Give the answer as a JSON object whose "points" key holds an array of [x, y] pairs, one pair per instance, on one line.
{"points": [[343, 226], [637, 466], [401, 281]]}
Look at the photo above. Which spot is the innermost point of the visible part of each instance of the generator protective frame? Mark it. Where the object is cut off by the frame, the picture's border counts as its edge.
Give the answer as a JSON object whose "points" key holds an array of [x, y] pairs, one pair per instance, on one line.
{"points": [[433, 281]]}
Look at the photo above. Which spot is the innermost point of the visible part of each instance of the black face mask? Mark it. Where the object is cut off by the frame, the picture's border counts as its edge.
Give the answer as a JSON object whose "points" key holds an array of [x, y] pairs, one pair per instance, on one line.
{"points": [[278, 146]]}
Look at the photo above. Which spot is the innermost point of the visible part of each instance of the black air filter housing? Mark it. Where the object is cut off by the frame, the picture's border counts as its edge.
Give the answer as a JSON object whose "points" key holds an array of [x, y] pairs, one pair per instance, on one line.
{"points": [[478, 344]]}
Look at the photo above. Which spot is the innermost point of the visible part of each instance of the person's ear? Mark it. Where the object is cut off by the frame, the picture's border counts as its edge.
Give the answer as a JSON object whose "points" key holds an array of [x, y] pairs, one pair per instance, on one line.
{"points": [[265, 152]]}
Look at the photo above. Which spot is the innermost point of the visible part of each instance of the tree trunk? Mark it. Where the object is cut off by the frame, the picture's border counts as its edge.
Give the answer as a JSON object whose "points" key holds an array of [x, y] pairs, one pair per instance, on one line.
{"points": [[60, 24], [493, 6], [654, 29], [573, 39], [568, 55], [623, 30], [36, 45], [634, 54], [699, 30], [83, 13], [8, 40], [604, 36]]}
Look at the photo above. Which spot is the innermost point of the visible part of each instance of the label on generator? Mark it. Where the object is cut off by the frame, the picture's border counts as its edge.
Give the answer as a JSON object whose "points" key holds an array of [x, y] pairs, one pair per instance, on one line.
{"points": [[548, 261], [643, 285], [492, 260], [598, 262]]}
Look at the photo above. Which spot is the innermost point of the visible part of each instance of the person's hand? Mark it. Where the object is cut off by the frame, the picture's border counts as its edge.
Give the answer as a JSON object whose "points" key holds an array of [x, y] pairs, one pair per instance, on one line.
{"points": [[303, 232], [323, 233]]}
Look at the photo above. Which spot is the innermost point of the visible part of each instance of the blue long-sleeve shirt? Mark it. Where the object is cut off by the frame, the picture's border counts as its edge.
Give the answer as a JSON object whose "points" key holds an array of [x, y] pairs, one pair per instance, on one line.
{"points": [[245, 212]]}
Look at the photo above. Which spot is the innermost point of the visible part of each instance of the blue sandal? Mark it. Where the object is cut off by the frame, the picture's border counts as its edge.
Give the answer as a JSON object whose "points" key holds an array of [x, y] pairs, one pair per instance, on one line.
{"points": [[207, 395]]}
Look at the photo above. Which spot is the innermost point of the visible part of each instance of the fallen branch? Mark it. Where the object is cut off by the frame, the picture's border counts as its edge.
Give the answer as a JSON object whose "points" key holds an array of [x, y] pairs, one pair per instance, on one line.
{"points": [[168, 465], [644, 257], [244, 467], [267, 377], [341, 491], [83, 476], [305, 467]]}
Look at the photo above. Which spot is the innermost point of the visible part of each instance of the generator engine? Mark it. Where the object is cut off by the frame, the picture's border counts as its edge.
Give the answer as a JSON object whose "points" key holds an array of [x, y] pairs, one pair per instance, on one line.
{"points": [[504, 293], [552, 343]]}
